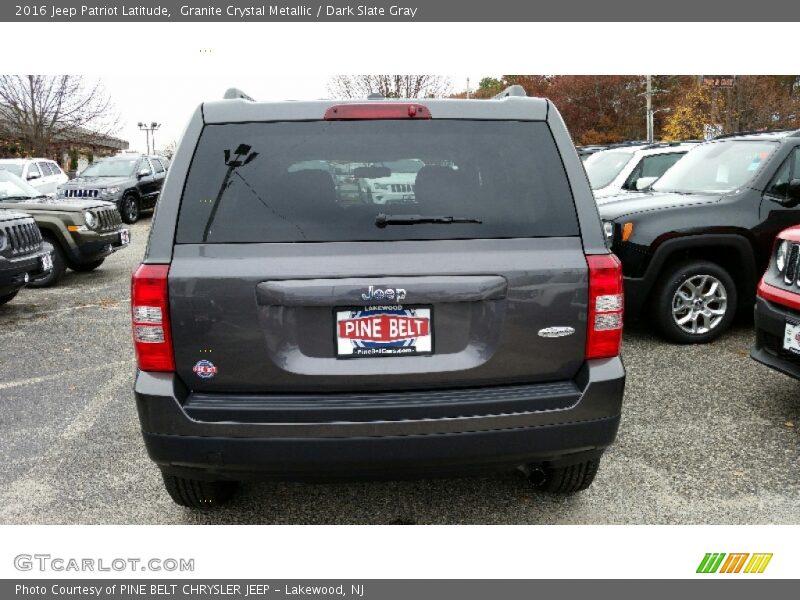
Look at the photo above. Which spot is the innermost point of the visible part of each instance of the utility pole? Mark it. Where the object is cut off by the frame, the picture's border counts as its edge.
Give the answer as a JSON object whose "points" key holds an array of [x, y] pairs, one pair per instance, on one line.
{"points": [[649, 96], [150, 130], [467, 88]]}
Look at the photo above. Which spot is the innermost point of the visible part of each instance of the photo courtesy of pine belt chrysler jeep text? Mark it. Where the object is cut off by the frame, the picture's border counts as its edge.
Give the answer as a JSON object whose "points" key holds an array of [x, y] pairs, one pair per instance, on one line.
{"points": [[288, 325]]}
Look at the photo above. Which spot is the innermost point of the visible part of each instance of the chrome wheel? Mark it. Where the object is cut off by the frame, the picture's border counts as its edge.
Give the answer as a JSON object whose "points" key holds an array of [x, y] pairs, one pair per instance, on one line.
{"points": [[699, 304], [130, 210]]}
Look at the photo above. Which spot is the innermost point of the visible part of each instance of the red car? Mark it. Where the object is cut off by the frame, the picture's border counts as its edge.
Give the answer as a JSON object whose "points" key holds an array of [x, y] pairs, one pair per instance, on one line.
{"points": [[777, 312]]}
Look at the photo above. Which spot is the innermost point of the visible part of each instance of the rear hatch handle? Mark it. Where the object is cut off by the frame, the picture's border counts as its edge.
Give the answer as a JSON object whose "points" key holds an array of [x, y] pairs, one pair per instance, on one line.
{"points": [[381, 290]]}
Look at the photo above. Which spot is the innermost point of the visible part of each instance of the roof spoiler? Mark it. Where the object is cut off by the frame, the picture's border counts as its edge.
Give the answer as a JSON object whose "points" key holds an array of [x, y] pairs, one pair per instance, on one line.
{"points": [[512, 90], [236, 94]]}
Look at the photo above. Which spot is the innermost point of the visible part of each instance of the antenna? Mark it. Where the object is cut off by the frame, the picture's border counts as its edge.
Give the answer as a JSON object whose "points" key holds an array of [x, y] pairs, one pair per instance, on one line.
{"points": [[236, 94]]}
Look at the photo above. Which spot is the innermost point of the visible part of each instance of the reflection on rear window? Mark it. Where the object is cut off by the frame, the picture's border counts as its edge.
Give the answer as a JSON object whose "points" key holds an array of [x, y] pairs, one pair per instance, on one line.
{"points": [[328, 180]]}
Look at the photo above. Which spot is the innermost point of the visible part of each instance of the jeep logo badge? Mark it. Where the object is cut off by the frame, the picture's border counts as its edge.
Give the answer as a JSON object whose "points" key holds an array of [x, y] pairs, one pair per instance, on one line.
{"points": [[556, 332], [391, 294]]}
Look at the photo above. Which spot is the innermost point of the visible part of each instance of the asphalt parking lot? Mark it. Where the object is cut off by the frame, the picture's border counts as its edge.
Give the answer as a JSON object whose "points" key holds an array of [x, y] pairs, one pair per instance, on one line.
{"points": [[708, 435]]}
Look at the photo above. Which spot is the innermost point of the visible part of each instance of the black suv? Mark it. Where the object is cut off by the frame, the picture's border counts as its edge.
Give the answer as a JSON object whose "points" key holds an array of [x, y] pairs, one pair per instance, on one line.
{"points": [[131, 181], [693, 247], [284, 330], [22, 257]]}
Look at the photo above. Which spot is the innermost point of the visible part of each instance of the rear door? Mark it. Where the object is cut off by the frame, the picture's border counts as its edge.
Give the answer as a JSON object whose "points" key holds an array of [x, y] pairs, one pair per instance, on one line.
{"points": [[159, 174], [34, 176], [284, 283], [147, 182], [48, 180]]}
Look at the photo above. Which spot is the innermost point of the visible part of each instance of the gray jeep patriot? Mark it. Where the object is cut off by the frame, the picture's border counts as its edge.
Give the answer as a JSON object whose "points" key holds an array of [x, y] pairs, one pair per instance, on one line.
{"points": [[287, 327]]}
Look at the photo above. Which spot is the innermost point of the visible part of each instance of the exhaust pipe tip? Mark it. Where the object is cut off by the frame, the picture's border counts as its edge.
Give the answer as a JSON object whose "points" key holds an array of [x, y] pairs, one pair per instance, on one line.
{"points": [[536, 475]]}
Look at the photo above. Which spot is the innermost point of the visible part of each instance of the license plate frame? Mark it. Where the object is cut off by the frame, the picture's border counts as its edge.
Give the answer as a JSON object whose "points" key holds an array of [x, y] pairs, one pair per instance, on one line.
{"points": [[422, 345], [791, 332]]}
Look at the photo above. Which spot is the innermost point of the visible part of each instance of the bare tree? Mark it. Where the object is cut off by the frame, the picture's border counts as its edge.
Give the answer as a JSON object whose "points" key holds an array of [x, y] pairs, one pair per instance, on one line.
{"points": [[168, 149], [390, 86], [39, 110]]}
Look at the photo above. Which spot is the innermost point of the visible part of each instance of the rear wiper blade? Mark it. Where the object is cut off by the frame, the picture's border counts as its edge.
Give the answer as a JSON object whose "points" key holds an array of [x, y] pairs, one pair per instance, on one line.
{"points": [[383, 220]]}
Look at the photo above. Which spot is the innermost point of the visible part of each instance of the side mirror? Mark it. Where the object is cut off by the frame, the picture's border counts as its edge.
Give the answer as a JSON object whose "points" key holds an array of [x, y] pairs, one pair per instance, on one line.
{"points": [[33, 175], [142, 173], [645, 182], [793, 192]]}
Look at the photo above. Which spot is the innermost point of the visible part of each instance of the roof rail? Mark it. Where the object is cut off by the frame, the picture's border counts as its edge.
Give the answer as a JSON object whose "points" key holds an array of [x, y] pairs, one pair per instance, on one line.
{"points": [[667, 144], [235, 94], [512, 90], [763, 131]]}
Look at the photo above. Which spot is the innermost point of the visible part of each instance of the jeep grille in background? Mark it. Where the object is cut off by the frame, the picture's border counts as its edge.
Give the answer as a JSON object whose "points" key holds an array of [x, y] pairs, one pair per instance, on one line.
{"points": [[108, 219], [791, 264], [23, 237], [80, 193], [402, 187]]}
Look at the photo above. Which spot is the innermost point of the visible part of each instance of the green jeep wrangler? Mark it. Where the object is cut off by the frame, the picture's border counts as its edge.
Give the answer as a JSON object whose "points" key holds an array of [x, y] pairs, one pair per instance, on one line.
{"points": [[78, 233]]}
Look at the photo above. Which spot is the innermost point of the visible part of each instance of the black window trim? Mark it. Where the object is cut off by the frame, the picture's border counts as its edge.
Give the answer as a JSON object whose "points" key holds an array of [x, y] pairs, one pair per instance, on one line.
{"points": [[790, 160]]}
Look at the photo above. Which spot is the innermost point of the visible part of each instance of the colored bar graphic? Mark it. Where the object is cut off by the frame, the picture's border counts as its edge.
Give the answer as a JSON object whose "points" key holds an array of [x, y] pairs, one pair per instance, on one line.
{"points": [[710, 562], [740, 564], [734, 562], [758, 563]]}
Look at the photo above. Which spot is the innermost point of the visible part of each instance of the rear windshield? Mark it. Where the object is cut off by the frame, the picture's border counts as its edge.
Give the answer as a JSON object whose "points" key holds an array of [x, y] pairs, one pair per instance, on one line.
{"points": [[325, 181]]}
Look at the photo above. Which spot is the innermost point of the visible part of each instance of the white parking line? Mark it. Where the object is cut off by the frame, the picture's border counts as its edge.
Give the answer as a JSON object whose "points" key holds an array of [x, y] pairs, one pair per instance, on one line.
{"points": [[35, 380]]}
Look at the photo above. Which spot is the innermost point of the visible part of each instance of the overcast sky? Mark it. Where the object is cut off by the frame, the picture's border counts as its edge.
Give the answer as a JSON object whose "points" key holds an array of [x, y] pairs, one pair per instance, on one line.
{"points": [[171, 100]]}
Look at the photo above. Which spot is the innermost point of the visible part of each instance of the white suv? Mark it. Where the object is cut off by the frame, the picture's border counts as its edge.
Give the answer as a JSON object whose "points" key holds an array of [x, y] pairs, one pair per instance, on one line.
{"points": [[43, 174], [631, 168]]}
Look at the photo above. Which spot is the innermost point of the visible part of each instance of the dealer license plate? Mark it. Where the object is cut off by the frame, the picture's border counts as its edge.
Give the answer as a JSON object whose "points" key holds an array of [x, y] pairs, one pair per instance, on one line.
{"points": [[791, 337], [376, 331], [47, 262]]}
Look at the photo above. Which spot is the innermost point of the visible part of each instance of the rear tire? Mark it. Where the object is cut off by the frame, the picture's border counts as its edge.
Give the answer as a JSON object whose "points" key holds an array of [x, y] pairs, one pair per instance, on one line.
{"points": [[59, 265], [568, 479], [8, 297], [86, 267], [675, 300], [129, 209], [195, 493]]}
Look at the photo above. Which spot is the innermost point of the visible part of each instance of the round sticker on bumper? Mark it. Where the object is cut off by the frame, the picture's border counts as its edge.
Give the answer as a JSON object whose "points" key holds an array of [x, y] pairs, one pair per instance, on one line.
{"points": [[205, 369]]}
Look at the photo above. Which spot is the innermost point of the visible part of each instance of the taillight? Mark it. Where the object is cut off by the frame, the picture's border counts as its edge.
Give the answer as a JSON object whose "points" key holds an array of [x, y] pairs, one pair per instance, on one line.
{"points": [[152, 337], [377, 110], [604, 327]]}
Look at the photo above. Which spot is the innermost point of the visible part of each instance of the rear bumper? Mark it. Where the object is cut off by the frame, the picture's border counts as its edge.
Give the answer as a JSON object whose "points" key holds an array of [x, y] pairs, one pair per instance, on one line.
{"points": [[770, 324], [185, 440]]}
